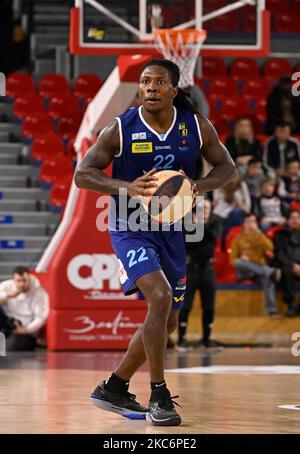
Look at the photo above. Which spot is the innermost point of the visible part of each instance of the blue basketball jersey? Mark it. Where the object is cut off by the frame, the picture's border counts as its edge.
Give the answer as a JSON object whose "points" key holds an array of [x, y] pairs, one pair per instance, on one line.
{"points": [[142, 148]]}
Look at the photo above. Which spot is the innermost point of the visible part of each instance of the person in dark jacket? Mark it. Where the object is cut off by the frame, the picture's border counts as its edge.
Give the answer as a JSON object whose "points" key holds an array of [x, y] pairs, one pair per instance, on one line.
{"points": [[200, 276], [287, 257], [283, 106], [280, 150], [243, 145]]}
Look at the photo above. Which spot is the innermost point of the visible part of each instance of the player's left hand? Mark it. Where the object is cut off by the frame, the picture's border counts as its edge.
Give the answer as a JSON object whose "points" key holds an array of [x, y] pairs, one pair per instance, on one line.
{"points": [[193, 186]]}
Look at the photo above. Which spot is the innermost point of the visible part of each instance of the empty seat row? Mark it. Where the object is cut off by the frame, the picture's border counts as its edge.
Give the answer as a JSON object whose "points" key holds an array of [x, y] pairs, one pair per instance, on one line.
{"points": [[85, 85], [246, 67]]}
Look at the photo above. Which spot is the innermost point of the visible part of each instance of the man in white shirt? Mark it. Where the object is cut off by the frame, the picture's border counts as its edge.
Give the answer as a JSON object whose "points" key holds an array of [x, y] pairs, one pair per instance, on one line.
{"points": [[25, 309]]}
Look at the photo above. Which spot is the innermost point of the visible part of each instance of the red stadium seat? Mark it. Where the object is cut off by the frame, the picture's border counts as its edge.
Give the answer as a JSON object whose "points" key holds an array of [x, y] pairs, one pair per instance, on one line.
{"points": [[87, 85], [26, 104], [258, 87], [37, 123], [63, 104], [286, 23], [272, 231], [60, 191], [276, 5], [56, 169], [260, 108], [233, 232], [226, 23], [214, 67], [215, 102], [295, 5], [244, 67], [232, 108], [223, 86], [220, 124], [212, 5], [18, 83], [174, 14], [295, 206], [70, 152], [249, 23], [52, 84], [258, 122], [277, 67], [47, 146], [69, 125]]}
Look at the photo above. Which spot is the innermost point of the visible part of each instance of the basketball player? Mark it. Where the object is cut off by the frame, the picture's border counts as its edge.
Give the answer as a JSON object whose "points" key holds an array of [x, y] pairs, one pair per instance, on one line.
{"points": [[165, 132]]}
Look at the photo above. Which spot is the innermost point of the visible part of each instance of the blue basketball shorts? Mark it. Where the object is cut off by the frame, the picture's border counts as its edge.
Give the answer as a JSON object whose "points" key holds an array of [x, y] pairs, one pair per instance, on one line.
{"points": [[140, 253]]}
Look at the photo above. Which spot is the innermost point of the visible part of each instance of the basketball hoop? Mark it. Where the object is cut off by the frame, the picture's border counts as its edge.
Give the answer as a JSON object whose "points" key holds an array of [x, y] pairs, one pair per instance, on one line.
{"points": [[181, 47]]}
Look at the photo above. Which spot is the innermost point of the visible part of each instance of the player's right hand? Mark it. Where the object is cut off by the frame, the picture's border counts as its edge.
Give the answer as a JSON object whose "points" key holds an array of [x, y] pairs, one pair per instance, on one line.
{"points": [[144, 185]]}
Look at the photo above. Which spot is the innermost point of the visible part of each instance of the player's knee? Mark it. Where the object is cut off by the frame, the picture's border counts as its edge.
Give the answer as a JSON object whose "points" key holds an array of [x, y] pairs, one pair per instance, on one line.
{"points": [[161, 299]]}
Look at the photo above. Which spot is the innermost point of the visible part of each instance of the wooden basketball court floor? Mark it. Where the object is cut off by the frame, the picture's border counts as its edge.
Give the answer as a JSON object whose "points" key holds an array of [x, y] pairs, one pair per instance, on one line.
{"points": [[228, 391]]}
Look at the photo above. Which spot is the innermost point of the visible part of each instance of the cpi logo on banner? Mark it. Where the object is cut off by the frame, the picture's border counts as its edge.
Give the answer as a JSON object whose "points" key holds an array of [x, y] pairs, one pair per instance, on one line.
{"points": [[103, 267]]}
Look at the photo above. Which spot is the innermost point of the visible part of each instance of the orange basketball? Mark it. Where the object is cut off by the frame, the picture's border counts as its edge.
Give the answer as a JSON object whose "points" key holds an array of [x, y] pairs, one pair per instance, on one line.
{"points": [[172, 199]]}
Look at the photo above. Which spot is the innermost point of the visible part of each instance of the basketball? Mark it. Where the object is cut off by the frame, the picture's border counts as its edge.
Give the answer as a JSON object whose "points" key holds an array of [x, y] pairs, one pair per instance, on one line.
{"points": [[172, 199]]}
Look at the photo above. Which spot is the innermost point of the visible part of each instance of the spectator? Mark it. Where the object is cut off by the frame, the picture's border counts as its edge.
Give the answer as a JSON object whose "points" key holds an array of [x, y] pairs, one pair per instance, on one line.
{"points": [[289, 185], [200, 276], [25, 309], [248, 256], [242, 145], [229, 205], [282, 106], [269, 208], [287, 257], [253, 177], [280, 150]]}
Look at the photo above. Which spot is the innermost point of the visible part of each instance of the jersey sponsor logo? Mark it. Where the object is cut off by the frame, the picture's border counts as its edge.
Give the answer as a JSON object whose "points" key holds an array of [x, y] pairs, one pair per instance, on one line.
{"points": [[183, 131], [179, 299], [184, 146], [142, 147], [163, 147], [139, 136], [181, 284]]}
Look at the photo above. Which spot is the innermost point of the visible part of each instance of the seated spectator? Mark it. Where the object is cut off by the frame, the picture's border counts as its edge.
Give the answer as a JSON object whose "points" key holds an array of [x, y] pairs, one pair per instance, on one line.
{"points": [[25, 309], [248, 256], [287, 257], [280, 150], [289, 185], [282, 106], [242, 145], [269, 208], [230, 203], [253, 177]]}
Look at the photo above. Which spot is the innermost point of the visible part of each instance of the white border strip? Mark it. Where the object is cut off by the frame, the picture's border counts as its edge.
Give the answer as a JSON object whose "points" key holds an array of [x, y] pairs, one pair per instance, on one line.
{"points": [[120, 137], [62, 228]]}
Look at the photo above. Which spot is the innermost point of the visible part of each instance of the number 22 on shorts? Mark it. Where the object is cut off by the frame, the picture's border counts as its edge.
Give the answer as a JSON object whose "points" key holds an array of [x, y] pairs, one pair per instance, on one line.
{"points": [[136, 256]]}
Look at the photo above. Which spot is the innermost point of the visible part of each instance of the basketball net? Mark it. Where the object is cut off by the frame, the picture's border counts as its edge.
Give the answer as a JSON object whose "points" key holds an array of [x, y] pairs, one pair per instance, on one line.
{"points": [[181, 47]]}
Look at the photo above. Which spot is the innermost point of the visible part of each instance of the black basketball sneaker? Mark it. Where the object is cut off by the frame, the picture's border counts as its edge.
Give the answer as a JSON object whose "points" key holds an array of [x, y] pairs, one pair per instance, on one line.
{"points": [[123, 404], [161, 409]]}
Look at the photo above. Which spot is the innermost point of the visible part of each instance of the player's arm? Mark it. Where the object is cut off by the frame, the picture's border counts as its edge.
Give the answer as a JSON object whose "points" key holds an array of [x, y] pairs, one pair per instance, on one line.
{"points": [[89, 173], [217, 155]]}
